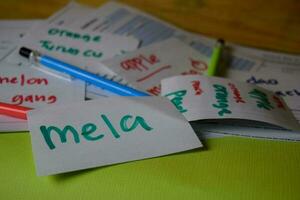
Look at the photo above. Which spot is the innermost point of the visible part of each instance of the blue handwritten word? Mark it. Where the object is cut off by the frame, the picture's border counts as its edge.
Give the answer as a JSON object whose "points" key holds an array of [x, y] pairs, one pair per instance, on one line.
{"points": [[292, 92], [254, 80]]}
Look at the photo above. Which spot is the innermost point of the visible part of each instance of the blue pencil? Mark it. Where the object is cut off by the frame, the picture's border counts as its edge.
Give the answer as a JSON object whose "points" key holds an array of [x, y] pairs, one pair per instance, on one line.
{"points": [[79, 73]]}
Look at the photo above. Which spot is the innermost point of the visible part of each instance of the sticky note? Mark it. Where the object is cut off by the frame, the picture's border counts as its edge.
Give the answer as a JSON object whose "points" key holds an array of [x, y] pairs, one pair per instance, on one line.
{"points": [[106, 131], [84, 49], [284, 85], [146, 67], [29, 87], [10, 33], [199, 97]]}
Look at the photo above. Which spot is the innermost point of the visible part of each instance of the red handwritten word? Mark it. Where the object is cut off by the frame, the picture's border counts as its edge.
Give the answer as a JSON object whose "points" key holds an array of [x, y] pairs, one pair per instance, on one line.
{"points": [[20, 99], [278, 102], [155, 90], [153, 73], [198, 67], [23, 80], [197, 87], [190, 72], [139, 63], [236, 93]]}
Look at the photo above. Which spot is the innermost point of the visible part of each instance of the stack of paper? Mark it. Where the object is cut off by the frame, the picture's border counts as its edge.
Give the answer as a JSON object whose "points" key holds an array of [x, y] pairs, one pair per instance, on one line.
{"points": [[130, 47]]}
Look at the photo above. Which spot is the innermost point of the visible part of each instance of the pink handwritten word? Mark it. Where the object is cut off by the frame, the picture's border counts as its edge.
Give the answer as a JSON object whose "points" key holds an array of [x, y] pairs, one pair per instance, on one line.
{"points": [[198, 67], [278, 102], [190, 72], [197, 87], [236, 93], [139, 63], [22, 80], [153, 73], [20, 99], [155, 90]]}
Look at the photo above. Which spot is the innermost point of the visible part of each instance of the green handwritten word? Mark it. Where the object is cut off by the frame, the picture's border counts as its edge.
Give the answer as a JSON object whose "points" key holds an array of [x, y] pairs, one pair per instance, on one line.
{"points": [[50, 46], [262, 100], [74, 35], [177, 99], [88, 130], [91, 53], [221, 96]]}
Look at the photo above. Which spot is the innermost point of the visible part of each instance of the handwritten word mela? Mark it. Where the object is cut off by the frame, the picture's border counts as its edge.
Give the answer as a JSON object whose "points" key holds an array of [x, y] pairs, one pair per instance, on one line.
{"points": [[26, 81], [89, 131]]}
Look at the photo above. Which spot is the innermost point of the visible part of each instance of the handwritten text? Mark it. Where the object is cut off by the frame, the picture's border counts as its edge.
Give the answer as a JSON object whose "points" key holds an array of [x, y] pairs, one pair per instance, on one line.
{"points": [[221, 96], [262, 100], [127, 124], [177, 99]]}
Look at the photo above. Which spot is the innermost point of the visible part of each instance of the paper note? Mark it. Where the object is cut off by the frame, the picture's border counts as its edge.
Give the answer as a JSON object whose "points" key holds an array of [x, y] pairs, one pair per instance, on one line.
{"points": [[117, 18], [29, 87], [10, 33], [69, 14], [270, 58], [241, 58], [285, 85], [107, 131], [144, 68], [120, 19], [80, 48], [231, 58], [200, 97], [269, 61]]}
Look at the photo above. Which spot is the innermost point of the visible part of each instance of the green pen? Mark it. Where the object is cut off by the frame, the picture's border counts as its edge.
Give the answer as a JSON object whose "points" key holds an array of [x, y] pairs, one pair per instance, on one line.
{"points": [[215, 58]]}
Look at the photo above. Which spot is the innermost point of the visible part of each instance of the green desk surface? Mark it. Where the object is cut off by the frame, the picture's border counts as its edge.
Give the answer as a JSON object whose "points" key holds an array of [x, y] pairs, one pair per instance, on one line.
{"points": [[228, 168]]}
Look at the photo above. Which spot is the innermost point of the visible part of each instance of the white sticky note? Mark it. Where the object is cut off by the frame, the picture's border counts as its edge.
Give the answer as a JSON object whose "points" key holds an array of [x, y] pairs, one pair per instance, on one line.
{"points": [[121, 19], [285, 85], [80, 48], [146, 67], [200, 97], [11, 31], [29, 87], [107, 131], [130, 21], [69, 14], [84, 49]]}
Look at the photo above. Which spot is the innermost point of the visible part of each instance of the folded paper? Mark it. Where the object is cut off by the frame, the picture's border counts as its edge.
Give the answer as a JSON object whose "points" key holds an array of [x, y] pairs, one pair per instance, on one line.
{"points": [[107, 131], [200, 97]]}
